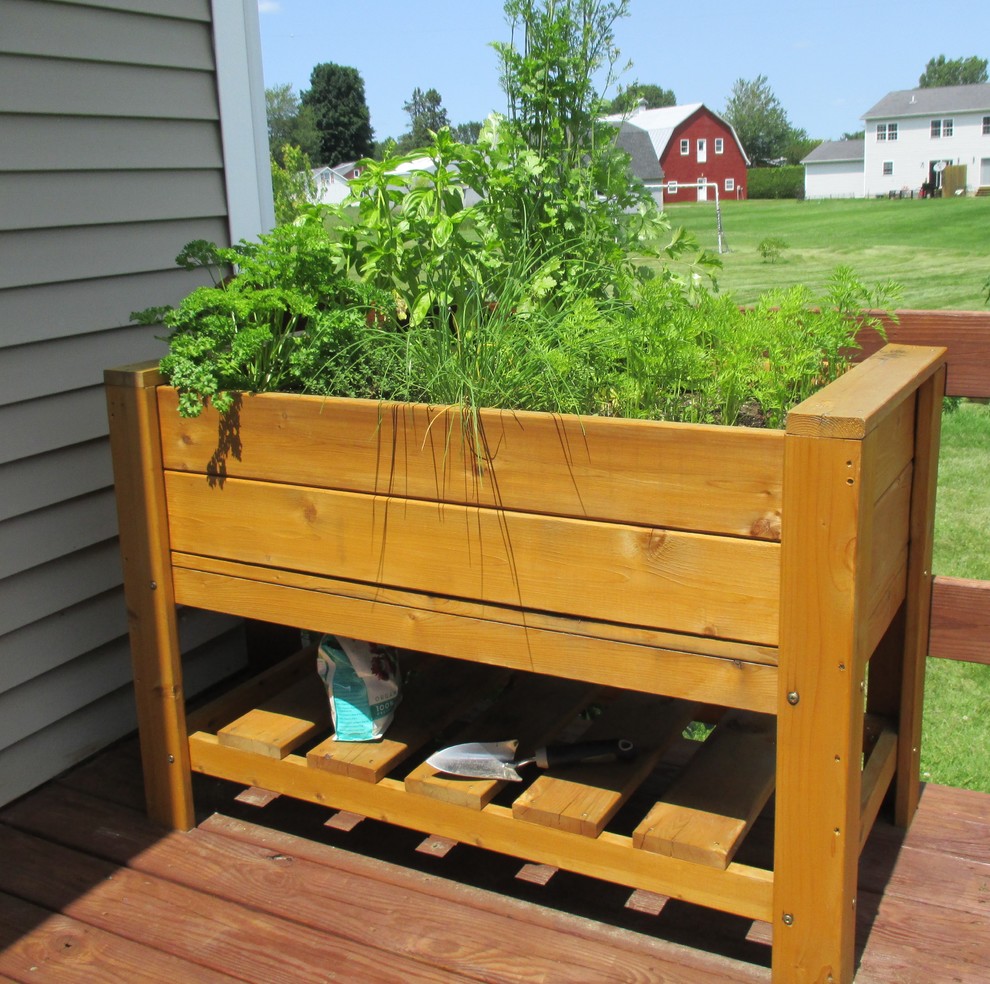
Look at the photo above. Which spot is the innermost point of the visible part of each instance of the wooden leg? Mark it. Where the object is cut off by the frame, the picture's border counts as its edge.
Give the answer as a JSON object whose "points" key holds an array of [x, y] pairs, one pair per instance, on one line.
{"points": [[928, 422], [820, 714], [138, 475]]}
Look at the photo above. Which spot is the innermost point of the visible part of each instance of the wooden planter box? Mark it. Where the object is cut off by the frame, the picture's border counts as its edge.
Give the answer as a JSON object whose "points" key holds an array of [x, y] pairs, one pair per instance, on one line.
{"points": [[764, 576]]}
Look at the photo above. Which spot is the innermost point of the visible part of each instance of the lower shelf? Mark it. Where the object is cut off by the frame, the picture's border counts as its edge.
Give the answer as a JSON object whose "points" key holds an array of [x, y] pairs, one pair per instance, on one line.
{"points": [[614, 821]]}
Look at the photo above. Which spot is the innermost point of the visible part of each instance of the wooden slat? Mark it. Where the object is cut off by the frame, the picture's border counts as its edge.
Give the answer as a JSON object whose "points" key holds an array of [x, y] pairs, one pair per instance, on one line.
{"points": [[741, 889], [517, 640], [437, 693], [965, 334], [709, 810], [857, 402], [682, 476], [533, 710], [687, 582], [584, 798], [877, 775], [961, 619], [283, 722]]}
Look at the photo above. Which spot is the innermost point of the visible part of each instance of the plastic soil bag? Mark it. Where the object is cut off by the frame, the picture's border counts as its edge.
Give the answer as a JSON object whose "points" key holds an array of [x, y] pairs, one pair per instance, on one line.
{"points": [[363, 686]]}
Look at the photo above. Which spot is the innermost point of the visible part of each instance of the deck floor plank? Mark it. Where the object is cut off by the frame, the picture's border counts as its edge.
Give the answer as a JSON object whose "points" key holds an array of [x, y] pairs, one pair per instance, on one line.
{"points": [[93, 889]]}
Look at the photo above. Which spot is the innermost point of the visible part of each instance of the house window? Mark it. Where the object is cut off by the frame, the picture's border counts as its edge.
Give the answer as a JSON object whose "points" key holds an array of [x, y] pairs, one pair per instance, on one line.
{"points": [[888, 168], [685, 148], [941, 128], [730, 184], [886, 131], [719, 145], [986, 126]]}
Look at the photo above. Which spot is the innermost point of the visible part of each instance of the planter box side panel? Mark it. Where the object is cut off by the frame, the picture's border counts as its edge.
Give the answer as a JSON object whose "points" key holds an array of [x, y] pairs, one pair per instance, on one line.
{"points": [[695, 583], [675, 476]]}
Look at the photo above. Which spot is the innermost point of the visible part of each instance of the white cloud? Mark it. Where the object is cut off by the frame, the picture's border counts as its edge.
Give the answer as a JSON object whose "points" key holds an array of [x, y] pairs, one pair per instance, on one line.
{"points": [[269, 6]]}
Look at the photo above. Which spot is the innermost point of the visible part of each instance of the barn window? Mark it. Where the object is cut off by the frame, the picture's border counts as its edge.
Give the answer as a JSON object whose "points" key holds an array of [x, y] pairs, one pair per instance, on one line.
{"points": [[888, 168], [719, 145], [730, 184], [685, 148]]}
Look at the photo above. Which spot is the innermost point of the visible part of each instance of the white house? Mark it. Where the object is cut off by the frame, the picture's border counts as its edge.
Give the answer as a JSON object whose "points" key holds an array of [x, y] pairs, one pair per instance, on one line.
{"points": [[911, 137], [329, 186], [834, 169]]}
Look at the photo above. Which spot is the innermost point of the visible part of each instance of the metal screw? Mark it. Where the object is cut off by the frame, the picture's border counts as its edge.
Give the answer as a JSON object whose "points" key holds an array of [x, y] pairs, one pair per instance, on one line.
{"points": [[788, 919], [154, 585], [171, 760], [793, 697]]}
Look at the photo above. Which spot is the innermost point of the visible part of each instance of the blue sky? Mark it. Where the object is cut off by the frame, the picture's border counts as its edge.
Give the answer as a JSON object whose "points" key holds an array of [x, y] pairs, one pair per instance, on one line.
{"points": [[827, 63]]}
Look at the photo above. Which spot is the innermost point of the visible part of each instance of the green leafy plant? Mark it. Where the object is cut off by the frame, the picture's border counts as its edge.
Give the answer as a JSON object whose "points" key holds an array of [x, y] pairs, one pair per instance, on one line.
{"points": [[771, 248]]}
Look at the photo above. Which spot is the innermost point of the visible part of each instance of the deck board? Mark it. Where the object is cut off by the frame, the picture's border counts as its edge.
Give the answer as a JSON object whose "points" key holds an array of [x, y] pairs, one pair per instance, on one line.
{"points": [[90, 888]]}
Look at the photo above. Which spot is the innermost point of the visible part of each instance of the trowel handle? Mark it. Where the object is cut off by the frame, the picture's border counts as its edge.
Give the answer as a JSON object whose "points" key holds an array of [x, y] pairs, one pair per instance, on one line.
{"points": [[608, 750]]}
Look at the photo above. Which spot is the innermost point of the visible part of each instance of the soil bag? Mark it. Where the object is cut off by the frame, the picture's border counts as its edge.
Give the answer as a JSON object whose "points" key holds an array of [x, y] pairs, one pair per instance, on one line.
{"points": [[363, 686]]}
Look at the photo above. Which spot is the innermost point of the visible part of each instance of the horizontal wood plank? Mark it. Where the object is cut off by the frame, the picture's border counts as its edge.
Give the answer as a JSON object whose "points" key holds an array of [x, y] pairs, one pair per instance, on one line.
{"points": [[681, 476], [711, 807], [685, 582], [965, 334], [857, 402], [961, 619], [523, 641]]}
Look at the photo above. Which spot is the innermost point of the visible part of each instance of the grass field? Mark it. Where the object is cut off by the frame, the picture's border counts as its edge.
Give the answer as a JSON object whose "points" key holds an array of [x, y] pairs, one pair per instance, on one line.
{"points": [[938, 250]]}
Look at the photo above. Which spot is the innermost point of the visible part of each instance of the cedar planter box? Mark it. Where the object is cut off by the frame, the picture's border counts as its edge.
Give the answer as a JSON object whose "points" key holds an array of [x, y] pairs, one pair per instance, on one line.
{"points": [[765, 576]]}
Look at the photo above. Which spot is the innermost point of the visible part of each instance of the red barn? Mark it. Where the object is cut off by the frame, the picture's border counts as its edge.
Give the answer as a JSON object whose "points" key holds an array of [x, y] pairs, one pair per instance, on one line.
{"points": [[695, 148]]}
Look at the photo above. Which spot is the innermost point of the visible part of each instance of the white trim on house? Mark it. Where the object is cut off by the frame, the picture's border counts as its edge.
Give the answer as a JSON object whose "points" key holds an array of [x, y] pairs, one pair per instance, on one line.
{"points": [[243, 124]]}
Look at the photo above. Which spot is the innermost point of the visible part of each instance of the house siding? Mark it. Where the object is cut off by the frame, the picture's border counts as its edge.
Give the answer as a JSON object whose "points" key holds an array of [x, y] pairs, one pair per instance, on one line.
{"points": [[111, 159], [833, 179], [687, 169]]}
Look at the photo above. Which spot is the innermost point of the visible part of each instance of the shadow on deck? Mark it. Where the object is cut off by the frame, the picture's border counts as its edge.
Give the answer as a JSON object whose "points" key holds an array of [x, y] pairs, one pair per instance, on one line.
{"points": [[90, 890]]}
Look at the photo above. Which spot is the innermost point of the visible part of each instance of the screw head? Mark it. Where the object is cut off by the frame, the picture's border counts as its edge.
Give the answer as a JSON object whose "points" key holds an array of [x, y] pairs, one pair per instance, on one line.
{"points": [[793, 697], [788, 919]]}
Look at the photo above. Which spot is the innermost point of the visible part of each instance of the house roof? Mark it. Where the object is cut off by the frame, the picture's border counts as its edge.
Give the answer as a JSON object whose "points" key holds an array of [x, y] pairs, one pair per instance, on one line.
{"points": [[661, 123], [926, 102], [837, 150], [636, 143]]}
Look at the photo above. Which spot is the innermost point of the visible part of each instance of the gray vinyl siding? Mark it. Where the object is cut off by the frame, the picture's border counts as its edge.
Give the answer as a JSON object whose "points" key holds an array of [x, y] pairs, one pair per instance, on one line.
{"points": [[111, 160]]}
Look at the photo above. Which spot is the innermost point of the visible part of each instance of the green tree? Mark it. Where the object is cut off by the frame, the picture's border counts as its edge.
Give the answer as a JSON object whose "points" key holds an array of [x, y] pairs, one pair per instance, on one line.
{"points": [[426, 115], [289, 123], [953, 71], [798, 146], [293, 186], [853, 135], [340, 112], [466, 133], [759, 120], [655, 97]]}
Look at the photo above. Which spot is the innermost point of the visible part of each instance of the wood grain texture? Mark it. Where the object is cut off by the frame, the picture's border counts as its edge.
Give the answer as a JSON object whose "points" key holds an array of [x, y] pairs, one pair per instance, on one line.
{"points": [[960, 619], [683, 476], [683, 582]]}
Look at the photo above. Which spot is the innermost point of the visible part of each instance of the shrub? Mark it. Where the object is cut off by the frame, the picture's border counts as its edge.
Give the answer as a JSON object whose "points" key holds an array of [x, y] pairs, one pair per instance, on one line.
{"points": [[771, 248], [775, 182]]}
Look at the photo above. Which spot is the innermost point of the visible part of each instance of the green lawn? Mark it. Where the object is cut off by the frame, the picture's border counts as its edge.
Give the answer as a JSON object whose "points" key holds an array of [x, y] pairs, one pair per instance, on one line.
{"points": [[938, 250]]}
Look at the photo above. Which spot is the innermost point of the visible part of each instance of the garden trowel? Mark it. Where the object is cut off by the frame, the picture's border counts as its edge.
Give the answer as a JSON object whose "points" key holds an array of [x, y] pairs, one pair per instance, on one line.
{"points": [[498, 759]]}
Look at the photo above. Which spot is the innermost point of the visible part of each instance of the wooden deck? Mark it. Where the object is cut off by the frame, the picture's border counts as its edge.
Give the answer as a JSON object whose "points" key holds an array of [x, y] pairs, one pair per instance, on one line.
{"points": [[90, 890]]}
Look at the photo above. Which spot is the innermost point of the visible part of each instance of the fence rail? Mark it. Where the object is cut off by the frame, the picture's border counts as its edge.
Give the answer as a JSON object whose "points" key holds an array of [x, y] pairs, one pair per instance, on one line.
{"points": [[960, 607]]}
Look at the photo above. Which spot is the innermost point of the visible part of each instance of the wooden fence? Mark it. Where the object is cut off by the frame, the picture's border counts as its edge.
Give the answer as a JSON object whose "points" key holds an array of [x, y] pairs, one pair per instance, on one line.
{"points": [[960, 626]]}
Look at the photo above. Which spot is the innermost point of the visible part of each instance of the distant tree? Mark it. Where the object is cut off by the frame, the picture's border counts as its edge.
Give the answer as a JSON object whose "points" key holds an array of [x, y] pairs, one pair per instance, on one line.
{"points": [[953, 71], [289, 123], [798, 146], [466, 133], [855, 135], [340, 112], [292, 183], [759, 120], [656, 97], [426, 113]]}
